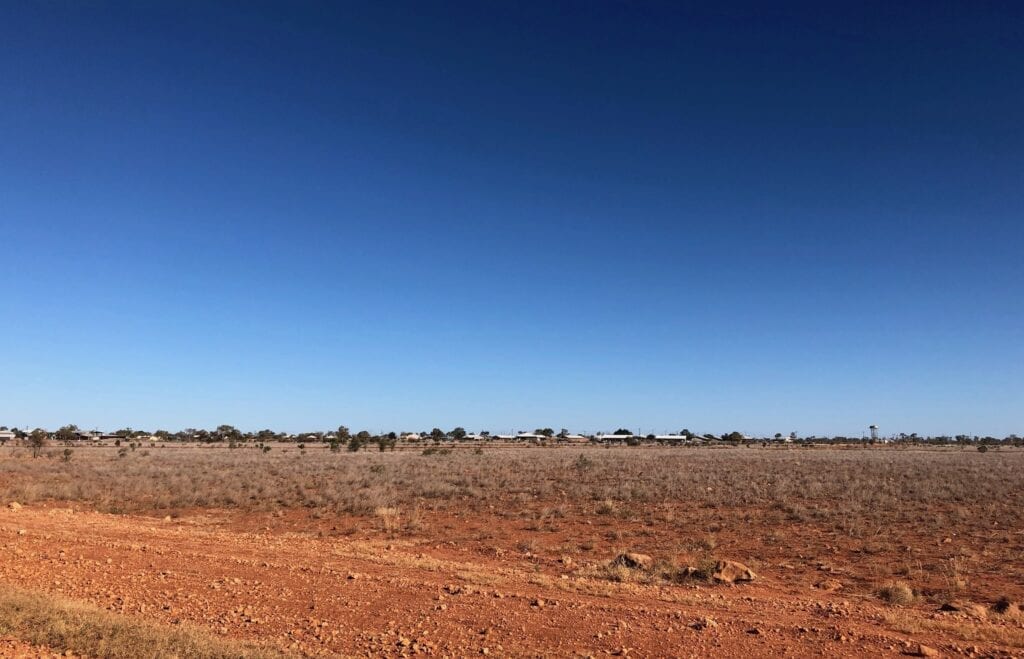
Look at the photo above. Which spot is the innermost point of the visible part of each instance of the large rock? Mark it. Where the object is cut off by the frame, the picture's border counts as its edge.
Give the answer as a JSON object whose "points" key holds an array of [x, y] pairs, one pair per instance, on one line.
{"points": [[732, 572], [634, 561]]}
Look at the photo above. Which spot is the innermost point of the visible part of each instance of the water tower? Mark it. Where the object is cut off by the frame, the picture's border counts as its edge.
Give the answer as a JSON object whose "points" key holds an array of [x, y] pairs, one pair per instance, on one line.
{"points": [[874, 432]]}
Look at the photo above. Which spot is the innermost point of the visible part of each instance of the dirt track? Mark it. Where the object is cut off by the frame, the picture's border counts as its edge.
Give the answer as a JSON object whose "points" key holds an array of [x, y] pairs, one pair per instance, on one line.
{"points": [[357, 594]]}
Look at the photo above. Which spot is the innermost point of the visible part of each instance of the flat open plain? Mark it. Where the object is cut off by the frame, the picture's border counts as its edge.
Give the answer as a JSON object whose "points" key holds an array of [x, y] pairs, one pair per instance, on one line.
{"points": [[510, 551]]}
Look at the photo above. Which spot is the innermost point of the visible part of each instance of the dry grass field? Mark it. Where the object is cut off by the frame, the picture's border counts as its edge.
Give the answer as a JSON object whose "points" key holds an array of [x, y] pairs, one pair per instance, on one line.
{"points": [[515, 551]]}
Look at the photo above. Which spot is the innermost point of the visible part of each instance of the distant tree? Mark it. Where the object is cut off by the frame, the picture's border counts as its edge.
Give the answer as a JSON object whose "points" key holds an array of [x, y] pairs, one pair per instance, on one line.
{"points": [[226, 433], [458, 433], [37, 440], [437, 434], [778, 435], [624, 431], [343, 434], [734, 436], [355, 444], [685, 432], [66, 433], [546, 432]]}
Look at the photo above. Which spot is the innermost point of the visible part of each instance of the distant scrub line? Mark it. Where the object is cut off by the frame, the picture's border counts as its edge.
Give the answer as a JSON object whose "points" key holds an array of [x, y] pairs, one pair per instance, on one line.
{"points": [[799, 481]]}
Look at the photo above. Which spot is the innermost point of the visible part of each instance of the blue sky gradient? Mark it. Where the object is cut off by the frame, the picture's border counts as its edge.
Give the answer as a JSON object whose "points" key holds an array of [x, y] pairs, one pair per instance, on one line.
{"points": [[394, 216]]}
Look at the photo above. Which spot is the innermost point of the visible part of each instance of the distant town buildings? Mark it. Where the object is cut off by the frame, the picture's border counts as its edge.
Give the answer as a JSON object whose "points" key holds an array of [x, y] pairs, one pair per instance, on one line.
{"points": [[545, 436]]}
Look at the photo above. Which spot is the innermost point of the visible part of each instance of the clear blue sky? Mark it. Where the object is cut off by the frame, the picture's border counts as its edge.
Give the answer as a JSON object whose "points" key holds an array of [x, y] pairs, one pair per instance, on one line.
{"points": [[507, 215]]}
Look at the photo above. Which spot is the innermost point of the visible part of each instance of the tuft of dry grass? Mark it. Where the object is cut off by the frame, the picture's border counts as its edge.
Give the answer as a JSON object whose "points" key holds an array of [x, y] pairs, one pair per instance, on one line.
{"points": [[660, 571], [66, 625], [389, 518], [896, 592]]}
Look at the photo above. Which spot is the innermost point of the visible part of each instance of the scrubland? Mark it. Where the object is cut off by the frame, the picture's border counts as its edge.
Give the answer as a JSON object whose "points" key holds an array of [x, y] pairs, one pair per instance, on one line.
{"points": [[901, 531], [818, 483]]}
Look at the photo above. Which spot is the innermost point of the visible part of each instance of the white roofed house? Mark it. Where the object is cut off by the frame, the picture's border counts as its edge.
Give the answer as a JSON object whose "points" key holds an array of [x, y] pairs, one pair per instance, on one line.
{"points": [[615, 438], [7, 435]]}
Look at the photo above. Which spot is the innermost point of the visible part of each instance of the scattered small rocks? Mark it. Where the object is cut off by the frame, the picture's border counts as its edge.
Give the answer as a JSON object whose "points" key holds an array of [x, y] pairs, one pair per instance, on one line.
{"points": [[921, 650]]}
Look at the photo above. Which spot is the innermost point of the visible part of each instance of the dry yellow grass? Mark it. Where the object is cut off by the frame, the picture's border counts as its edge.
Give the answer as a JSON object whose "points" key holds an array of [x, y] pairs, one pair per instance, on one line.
{"points": [[805, 484], [962, 630], [62, 625]]}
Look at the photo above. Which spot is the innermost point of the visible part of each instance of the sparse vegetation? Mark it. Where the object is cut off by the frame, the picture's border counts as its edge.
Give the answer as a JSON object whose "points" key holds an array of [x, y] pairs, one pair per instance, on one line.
{"points": [[876, 500], [849, 488], [908, 529], [85, 630]]}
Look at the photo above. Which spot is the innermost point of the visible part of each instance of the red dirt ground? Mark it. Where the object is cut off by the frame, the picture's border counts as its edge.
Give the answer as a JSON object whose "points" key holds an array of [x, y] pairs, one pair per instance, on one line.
{"points": [[344, 587]]}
